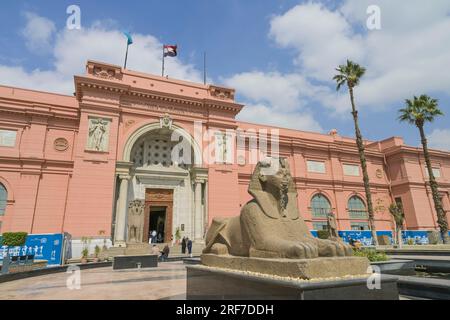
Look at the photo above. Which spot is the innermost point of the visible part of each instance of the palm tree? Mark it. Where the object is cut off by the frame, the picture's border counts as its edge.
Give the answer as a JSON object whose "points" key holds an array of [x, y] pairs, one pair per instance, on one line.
{"points": [[350, 74], [396, 210], [418, 111]]}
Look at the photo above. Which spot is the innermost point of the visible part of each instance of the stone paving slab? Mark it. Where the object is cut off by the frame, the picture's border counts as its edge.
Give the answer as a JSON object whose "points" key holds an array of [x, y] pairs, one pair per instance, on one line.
{"points": [[167, 281], [419, 257]]}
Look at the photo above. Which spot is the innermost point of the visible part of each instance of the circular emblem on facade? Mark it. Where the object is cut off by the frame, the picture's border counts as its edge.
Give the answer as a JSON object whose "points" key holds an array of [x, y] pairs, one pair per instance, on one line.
{"points": [[241, 160], [61, 144], [379, 173]]}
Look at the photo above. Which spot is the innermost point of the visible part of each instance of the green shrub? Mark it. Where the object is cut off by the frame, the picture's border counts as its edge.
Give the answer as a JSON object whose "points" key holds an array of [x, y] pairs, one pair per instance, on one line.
{"points": [[97, 251], [178, 234], [370, 254], [85, 253], [323, 234], [13, 239], [410, 241]]}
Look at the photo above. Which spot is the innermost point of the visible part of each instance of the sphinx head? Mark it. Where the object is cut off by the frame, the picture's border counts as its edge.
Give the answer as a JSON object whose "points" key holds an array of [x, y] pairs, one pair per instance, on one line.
{"points": [[275, 177], [272, 186], [272, 177]]}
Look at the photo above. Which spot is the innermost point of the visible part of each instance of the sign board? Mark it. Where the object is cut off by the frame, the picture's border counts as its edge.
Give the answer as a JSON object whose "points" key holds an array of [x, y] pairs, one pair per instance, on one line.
{"points": [[44, 247]]}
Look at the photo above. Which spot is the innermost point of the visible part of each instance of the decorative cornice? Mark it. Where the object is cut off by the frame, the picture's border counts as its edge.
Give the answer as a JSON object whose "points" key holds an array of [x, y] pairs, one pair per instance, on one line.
{"points": [[398, 150], [35, 109], [221, 92]]}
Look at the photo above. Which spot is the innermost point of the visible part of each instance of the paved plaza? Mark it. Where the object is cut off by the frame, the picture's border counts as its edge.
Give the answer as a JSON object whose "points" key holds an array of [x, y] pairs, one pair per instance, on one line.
{"points": [[167, 281]]}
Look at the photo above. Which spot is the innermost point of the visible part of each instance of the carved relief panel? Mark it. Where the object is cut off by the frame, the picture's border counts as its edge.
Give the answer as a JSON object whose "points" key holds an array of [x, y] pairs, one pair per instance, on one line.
{"points": [[98, 134]]}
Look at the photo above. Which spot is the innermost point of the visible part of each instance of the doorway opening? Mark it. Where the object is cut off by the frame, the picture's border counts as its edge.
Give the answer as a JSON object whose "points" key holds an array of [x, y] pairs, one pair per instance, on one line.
{"points": [[157, 224]]}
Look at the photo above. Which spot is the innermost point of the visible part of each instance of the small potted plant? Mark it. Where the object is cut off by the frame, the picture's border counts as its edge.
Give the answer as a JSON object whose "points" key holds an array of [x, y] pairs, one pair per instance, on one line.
{"points": [[102, 234], [177, 236], [96, 253], [84, 255], [85, 252]]}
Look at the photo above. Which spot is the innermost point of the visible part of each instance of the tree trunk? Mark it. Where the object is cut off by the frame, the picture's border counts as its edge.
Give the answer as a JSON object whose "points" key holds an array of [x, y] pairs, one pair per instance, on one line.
{"points": [[441, 219], [362, 157], [399, 237]]}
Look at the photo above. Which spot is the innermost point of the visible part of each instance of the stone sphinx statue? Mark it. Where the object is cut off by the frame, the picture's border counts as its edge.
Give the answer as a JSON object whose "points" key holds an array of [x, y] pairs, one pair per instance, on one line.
{"points": [[269, 225], [135, 221]]}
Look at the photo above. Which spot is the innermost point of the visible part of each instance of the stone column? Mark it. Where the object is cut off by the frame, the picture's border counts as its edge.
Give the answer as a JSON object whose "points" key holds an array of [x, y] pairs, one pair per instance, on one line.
{"points": [[121, 212], [205, 211], [198, 219]]}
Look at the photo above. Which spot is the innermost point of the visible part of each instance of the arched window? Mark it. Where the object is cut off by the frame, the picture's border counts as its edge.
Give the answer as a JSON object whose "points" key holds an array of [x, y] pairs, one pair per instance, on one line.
{"points": [[320, 206], [3, 199], [357, 208]]}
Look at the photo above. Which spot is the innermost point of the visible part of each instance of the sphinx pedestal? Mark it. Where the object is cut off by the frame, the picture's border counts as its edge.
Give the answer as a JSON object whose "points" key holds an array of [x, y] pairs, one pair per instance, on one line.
{"points": [[135, 262], [239, 278]]}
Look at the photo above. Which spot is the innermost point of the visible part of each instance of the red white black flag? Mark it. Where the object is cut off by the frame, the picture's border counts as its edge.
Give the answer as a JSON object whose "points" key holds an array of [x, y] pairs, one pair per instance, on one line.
{"points": [[170, 51]]}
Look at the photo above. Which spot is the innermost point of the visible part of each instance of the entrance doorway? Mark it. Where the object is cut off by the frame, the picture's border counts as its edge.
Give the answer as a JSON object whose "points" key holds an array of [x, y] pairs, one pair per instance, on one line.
{"points": [[157, 225], [158, 214]]}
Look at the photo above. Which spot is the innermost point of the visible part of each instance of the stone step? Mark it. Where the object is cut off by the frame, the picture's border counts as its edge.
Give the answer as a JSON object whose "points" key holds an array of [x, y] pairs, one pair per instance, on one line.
{"points": [[145, 248], [139, 246]]}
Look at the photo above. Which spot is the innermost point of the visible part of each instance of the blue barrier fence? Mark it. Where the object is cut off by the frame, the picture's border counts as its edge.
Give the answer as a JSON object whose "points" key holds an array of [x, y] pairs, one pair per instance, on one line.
{"points": [[44, 247], [418, 237]]}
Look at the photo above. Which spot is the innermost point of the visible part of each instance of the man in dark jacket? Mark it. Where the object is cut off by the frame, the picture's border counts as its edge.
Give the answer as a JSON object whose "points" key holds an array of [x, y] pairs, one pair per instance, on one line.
{"points": [[165, 253], [183, 245], [189, 246]]}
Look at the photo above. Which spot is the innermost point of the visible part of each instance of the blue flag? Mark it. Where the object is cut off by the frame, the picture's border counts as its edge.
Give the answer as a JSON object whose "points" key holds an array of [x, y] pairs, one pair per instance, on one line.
{"points": [[129, 38]]}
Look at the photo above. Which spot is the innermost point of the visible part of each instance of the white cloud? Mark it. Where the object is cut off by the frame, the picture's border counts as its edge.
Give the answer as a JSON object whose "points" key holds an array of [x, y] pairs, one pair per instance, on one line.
{"points": [[440, 139], [38, 32], [36, 80], [405, 57], [72, 48], [278, 99], [282, 91], [323, 38], [398, 16], [263, 114]]}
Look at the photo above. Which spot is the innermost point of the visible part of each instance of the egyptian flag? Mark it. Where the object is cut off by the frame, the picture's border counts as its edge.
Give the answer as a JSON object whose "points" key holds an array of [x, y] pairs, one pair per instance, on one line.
{"points": [[170, 51]]}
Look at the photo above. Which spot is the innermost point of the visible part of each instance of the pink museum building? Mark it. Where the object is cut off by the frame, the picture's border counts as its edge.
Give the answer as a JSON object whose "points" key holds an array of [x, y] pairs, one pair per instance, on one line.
{"points": [[75, 163]]}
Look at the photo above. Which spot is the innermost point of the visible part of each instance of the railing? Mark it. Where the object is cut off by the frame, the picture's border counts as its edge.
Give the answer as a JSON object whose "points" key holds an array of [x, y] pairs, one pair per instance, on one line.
{"points": [[320, 212], [358, 214]]}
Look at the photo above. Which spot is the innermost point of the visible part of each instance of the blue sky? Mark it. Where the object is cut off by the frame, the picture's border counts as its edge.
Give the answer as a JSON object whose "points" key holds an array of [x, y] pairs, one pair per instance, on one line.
{"points": [[279, 55]]}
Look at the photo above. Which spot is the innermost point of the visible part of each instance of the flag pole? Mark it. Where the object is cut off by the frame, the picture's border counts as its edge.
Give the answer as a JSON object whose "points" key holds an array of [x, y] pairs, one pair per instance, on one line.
{"points": [[204, 67], [162, 69], [126, 57]]}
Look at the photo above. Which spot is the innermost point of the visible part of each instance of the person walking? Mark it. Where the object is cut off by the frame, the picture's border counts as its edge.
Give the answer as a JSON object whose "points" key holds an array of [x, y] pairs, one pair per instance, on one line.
{"points": [[189, 247], [183, 245]]}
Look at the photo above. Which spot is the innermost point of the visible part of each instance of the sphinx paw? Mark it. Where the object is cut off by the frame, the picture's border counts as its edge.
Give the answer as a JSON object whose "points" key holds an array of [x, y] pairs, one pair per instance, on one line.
{"points": [[327, 248], [219, 249], [296, 251], [303, 250]]}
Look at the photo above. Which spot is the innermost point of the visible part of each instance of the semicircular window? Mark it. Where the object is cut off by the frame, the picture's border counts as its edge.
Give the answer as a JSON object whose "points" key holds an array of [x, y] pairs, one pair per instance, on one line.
{"points": [[357, 208], [320, 206], [3, 199]]}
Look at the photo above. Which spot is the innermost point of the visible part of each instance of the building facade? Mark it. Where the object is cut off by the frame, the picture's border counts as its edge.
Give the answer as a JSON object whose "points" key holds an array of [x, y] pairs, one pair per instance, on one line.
{"points": [[76, 163]]}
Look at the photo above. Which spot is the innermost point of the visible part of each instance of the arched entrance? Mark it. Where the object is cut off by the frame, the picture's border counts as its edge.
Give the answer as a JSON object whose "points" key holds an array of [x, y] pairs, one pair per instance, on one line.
{"points": [[160, 172]]}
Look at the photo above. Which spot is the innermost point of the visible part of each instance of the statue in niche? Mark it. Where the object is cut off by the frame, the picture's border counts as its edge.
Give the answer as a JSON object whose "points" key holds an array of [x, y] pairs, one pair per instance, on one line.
{"points": [[332, 227], [136, 221], [269, 225], [222, 147], [97, 134]]}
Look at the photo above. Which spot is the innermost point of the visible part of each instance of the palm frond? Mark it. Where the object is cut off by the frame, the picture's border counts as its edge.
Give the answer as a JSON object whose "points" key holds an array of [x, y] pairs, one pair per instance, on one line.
{"points": [[419, 110], [349, 73]]}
